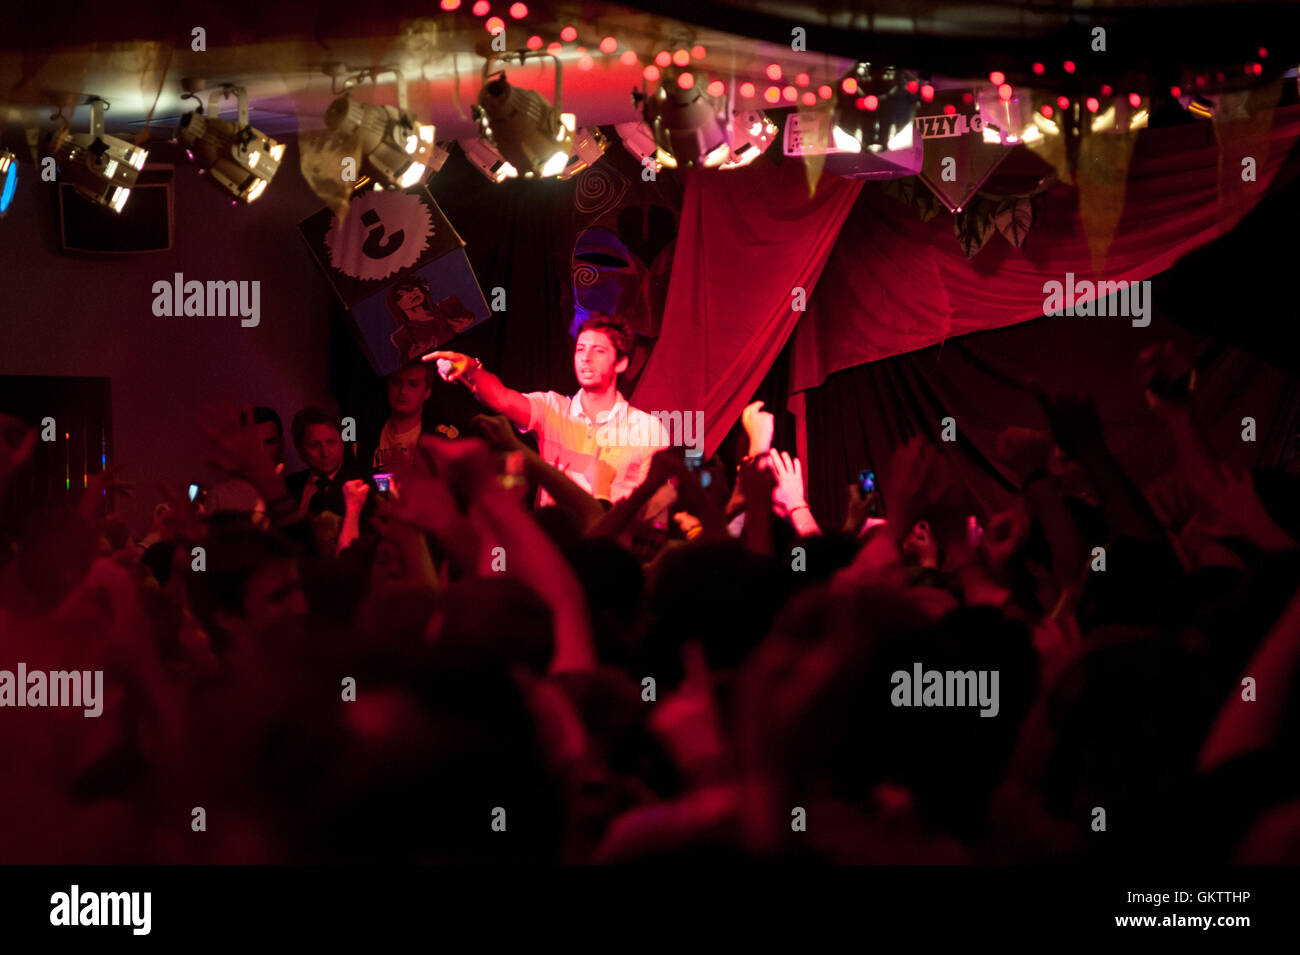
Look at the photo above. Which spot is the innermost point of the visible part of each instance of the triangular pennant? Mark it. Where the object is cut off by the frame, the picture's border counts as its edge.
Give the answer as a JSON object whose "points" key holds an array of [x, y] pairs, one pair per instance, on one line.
{"points": [[1102, 179], [1243, 123], [957, 158]]}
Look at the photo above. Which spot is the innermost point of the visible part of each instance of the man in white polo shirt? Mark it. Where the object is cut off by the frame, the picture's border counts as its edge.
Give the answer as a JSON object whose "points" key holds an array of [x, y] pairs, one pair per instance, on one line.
{"points": [[595, 437]]}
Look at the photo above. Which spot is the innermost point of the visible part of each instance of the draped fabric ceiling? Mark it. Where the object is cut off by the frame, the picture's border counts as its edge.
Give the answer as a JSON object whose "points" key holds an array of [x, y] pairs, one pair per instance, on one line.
{"points": [[879, 282]]}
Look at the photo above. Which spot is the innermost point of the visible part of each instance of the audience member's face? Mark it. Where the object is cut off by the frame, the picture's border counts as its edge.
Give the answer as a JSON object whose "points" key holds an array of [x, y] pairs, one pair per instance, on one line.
{"points": [[322, 448], [595, 361], [272, 440], [408, 390], [919, 547]]}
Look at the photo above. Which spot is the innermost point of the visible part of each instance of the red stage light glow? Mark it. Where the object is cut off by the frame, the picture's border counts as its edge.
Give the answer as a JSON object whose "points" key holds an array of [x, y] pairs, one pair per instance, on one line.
{"points": [[772, 94], [849, 85], [663, 58], [686, 80], [774, 71], [716, 88], [534, 42], [997, 77], [608, 45], [628, 58], [481, 8], [518, 10], [494, 25], [927, 92], [747, 89], [651, 72], [569, 34]]}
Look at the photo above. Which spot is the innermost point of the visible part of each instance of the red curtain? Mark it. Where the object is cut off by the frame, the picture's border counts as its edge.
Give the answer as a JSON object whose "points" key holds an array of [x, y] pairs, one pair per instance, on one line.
{"points": [[748, 238], [894, 284]]}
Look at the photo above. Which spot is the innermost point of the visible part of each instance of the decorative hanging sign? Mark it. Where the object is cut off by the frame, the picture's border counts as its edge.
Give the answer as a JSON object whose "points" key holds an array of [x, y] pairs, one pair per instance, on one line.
{"points": [[955, 165], [944, 125], [401, 270]]}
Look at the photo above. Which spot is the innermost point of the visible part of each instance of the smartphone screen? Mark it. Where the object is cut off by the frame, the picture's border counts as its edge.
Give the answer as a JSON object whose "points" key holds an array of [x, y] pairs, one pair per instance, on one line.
{"points": [[383, 482], [194, 491], [867, 481]]}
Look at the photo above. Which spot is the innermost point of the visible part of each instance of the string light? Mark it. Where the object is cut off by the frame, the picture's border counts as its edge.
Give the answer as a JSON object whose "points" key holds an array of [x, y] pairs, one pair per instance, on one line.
{"points": [[608, 45]]}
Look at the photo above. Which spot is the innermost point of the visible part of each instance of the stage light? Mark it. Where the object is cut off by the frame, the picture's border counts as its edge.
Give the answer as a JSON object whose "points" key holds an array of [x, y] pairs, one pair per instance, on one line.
{"points": [[608, 45], [533, 136], [234, 155], [885, 120], [589, 144], [485, 158], [102, 168], [639, 141], [1007, 120], [569, 34], [751, 133], [397, 149], [747, 90], [687, 123], [629, 58], [8, 179]]}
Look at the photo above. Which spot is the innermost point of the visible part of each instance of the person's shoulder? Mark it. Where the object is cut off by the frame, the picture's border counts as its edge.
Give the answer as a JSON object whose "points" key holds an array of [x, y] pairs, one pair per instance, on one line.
{"points": [[296, 481]]}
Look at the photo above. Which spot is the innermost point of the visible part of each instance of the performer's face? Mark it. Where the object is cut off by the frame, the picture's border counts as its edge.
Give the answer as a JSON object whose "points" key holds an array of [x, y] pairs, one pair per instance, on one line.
{"points": [[595, 361], [322, 448]]}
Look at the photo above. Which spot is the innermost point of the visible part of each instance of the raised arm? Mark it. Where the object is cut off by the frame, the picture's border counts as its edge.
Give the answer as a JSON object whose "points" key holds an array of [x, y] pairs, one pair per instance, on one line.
{"points": [[487, 387]]}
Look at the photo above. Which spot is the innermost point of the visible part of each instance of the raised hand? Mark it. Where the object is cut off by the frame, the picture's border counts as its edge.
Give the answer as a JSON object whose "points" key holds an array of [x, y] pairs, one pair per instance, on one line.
{"points": [[499, 432], [452, 365], [788, 493], [759, 425], [354, 494]]}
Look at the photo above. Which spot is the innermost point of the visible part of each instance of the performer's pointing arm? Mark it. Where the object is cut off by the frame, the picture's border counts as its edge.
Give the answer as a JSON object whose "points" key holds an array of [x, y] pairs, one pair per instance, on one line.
{"points": [[487, 387]]}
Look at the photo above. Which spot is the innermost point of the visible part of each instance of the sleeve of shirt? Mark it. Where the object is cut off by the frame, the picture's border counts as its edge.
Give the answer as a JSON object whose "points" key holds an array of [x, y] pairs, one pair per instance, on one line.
{"points": [[542, 404]]}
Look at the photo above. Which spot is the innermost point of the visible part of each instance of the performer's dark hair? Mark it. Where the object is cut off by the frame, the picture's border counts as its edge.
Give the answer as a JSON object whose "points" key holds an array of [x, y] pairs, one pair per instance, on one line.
{"points": [[618, 334]]}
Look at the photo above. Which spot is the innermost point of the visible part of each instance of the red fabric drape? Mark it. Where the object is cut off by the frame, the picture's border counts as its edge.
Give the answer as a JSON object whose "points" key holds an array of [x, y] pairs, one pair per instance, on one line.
{"points": [[747, 239], [894, 284]]}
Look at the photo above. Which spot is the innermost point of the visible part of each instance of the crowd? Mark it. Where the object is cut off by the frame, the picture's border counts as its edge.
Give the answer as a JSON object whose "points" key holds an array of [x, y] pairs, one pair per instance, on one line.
{"points": [[323, 667]]}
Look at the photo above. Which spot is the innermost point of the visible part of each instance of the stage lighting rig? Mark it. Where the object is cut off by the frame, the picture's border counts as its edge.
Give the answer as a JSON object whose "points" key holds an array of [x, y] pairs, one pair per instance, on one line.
{"points": [[101, 167], [534, 137], [396, 148], [239, 158], [688, 124]]}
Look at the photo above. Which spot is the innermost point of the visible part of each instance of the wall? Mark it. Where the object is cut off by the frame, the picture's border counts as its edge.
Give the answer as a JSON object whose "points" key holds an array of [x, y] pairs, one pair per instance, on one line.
{"points": [[76, 314]]}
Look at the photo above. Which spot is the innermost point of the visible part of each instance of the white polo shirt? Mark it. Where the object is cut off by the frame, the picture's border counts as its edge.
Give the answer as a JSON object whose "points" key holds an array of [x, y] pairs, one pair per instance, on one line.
{"points": [[607, 457]]}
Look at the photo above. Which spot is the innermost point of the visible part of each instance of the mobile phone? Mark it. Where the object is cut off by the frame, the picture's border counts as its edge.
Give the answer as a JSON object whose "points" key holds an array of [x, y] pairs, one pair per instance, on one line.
{"points": [[866, 481], [194, 492], [383, 482], [694, 461]]}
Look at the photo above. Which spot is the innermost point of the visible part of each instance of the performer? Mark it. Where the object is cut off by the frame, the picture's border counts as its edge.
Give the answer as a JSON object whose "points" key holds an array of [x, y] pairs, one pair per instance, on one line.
{"points": [[595, 437]]}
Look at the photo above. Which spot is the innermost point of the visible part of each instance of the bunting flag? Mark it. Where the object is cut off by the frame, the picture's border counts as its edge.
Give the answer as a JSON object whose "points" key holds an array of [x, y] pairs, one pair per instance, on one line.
{"points": [[322, 157], [1102, 178], [1243, 123]]}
